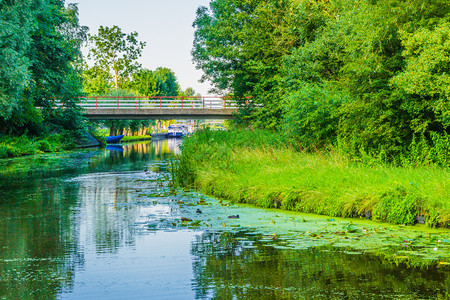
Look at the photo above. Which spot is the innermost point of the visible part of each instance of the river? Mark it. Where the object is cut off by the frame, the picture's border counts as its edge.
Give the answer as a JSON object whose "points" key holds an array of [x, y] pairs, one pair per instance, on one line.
{"points": [[105, 224]]}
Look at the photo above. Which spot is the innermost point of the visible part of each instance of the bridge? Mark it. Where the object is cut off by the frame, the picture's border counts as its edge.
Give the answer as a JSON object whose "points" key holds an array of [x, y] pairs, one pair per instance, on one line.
{"points": [[161, 108]]}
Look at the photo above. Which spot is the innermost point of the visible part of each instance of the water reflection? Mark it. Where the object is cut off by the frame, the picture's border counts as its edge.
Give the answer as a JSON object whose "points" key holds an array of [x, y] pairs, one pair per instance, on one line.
{"points": [[38, 240], [48, 221], [239, 266]]}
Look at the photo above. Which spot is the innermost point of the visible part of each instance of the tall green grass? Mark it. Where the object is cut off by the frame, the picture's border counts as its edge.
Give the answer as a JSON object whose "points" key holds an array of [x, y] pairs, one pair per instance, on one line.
{"points": [[15, 146], [260, 168]]}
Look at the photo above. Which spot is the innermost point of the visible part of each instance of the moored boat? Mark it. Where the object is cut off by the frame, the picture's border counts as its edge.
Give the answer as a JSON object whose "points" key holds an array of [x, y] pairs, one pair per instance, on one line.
{"points": [[177, 130], [114, 139]]}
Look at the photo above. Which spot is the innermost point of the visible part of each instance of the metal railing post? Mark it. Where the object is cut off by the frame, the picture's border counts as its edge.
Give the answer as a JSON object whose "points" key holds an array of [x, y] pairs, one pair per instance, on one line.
{"points": [[203, 100], [117, 102], [182, 102]]}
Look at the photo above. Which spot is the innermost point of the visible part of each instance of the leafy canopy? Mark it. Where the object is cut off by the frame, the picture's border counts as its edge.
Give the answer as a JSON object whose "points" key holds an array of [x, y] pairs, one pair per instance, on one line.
{"points": [[116, 53]]}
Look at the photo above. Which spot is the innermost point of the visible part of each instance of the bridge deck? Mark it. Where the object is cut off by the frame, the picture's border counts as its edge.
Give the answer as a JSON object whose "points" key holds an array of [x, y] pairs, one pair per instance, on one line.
{"points": [[116, 108], [158, 113]]}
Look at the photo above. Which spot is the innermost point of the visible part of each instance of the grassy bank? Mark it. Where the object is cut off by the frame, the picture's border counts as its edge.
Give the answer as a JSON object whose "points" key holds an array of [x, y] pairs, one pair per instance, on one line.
{"points": [[16, 146], [258, 168], [136, 138]]}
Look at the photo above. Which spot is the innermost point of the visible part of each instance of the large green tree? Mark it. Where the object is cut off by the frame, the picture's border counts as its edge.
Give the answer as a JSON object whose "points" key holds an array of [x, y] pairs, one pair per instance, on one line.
{"points": [[116, 52], [16, 24], [239, 45], [39, 49], [56, 68]]}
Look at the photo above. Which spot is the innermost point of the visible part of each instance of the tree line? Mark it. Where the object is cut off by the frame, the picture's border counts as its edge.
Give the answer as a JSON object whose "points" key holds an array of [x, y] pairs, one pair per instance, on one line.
{"points": [[41, 63], [368, 76], [115, 71]]}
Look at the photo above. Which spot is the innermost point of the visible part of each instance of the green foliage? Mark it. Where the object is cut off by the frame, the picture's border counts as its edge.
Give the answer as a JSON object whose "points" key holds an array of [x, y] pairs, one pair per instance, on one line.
{"points": [[239, 46], [15, 146], [39, 52], [189, 92], [311, 115], [99, 135], [161, 82], [96, 82], [136, 138], [426, 77], [116, 53], [366, 75], [16, 25], [56, 52]]}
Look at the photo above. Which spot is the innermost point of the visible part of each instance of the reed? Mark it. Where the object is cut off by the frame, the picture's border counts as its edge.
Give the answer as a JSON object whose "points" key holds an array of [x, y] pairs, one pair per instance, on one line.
{"points": [[261, 168]]}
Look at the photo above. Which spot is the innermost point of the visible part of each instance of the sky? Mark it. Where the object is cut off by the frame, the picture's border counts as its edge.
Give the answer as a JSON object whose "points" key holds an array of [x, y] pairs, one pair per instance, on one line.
{"points": [[165, 25]]}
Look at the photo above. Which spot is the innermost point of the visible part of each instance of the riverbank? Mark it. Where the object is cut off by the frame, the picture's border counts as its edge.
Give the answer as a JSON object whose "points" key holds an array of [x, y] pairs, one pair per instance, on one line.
{"points": [[17, 146], [136, 138], [258, 168]]}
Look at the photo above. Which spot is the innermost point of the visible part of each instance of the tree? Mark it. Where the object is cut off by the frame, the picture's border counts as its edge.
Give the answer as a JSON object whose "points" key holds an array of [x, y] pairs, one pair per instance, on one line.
{"points": [[96, 81], [56, 56], [240, 45], [16, 23], [39, 50], [166, 82], [116, 53], [369, 75], [190, 92], [426, 77], [143, 83], [161, 82]]}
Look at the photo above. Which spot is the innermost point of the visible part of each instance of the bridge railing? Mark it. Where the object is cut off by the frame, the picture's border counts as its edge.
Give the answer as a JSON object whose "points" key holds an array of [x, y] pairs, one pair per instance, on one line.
{"points": [[160, 102]]}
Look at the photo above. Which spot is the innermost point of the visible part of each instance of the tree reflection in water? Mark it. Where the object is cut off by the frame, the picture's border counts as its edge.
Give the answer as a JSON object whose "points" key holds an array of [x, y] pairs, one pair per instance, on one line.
{"points": [[40, 213], [239, 266], [38, 240]]}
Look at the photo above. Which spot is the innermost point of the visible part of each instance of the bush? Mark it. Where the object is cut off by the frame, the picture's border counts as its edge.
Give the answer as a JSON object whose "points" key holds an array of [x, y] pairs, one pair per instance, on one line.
{"points": [[311, 115], [44, 146]]}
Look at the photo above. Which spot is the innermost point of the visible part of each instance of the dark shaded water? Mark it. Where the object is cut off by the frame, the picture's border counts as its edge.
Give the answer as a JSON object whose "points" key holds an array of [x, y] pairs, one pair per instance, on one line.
{"points": [[103, 224]]}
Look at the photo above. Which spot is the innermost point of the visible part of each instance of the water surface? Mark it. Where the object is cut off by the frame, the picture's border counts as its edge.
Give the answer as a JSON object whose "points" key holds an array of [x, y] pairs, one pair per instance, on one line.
{"points": [[105, 224]]}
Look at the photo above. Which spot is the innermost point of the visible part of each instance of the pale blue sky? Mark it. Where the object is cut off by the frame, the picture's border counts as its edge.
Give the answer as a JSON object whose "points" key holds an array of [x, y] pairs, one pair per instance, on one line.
{"points": [[166, 26]]}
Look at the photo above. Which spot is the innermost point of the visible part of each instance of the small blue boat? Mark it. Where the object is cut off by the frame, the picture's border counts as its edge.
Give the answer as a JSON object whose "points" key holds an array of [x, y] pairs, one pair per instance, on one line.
{"points": [[114, 139]]}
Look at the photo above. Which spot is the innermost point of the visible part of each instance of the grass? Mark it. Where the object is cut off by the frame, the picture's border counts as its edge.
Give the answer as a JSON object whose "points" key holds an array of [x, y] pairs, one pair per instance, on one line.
{"points": [[258, 168], [136, 138], [16, 146]]}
